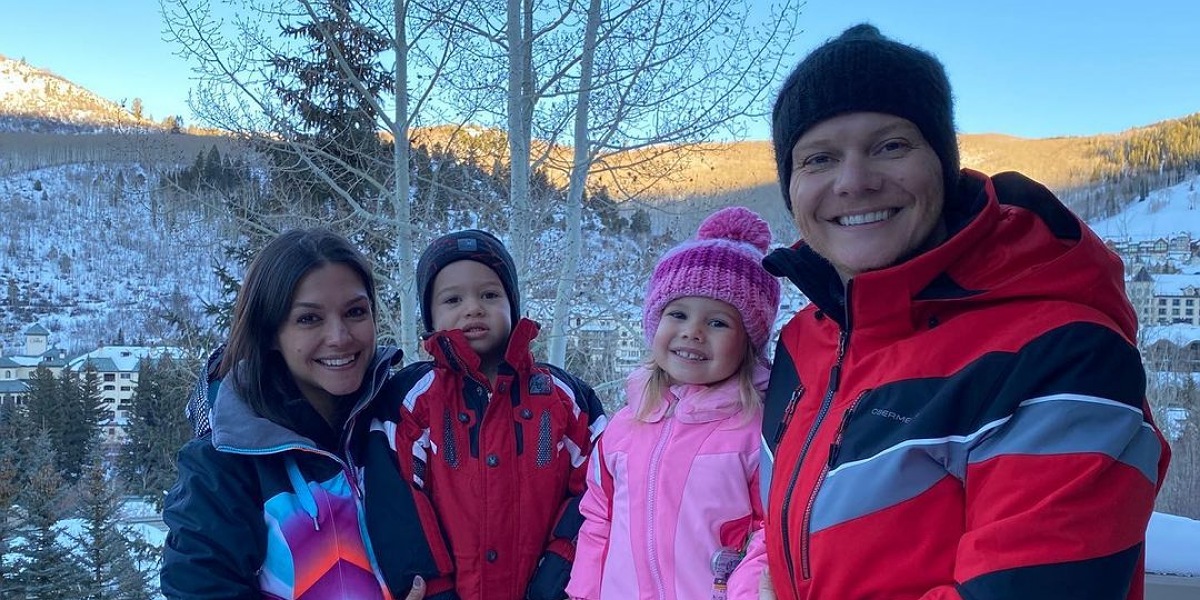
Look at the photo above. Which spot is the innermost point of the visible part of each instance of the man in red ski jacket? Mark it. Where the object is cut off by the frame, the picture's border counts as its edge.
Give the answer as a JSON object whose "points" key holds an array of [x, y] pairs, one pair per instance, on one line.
{"points": [[960, 412]]}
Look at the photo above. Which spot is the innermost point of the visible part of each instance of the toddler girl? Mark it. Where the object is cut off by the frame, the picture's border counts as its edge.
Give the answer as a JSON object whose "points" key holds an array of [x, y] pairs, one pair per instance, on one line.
{"points": [[672, 492]]}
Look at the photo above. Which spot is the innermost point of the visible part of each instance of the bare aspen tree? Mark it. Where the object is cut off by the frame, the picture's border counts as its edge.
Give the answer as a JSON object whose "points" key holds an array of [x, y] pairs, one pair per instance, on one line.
{"points": [[632, 86], [580, 165], [522, 99], [231, 47]]}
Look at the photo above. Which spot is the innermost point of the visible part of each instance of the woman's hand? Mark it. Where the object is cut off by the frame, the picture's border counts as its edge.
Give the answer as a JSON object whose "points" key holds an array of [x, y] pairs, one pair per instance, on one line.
{"points": [[418, 589]]}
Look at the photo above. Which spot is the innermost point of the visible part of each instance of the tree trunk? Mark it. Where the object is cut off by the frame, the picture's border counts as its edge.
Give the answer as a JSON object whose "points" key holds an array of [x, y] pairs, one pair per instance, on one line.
{"points": [[565, 290], [520, 130], [401, 208]]}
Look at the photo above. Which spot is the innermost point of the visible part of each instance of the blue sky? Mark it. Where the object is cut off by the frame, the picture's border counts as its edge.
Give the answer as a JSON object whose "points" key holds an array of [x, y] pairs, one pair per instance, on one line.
{"points": [[1032, 68]]}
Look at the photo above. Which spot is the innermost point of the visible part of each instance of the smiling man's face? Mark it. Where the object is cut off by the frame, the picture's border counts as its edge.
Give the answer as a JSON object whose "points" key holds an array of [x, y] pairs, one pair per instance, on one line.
{"points": [[866, 191]]}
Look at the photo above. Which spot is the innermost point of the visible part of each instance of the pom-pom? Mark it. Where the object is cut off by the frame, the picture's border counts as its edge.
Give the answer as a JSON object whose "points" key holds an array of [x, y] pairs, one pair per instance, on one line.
{"points": [[862, 31], [739, 224]]}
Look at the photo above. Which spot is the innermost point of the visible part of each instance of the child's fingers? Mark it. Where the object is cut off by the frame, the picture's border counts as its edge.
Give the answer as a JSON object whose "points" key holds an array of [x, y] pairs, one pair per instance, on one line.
{"points": [[418, 589]]}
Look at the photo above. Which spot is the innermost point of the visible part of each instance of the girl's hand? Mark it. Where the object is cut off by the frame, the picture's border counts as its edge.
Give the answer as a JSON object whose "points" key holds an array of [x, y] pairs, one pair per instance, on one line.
{"points": [[766, 590], [418, 589]]}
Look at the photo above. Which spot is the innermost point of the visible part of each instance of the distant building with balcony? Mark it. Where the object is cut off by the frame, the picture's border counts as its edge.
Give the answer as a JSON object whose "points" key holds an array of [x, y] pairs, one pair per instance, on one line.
{"points": [[117, 370], [1165, 299], [604, 347], [16, 370]]}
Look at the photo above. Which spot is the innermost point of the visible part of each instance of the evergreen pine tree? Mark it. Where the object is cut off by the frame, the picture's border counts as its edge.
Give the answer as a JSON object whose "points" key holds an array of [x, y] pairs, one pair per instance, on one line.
{"points": [[157, 427], [118, 191], [42, 398], [114, 558], [70, 409], [11, 482], [334, 116], [80, 433], [334, 144], [44, 568], [213, 169]]}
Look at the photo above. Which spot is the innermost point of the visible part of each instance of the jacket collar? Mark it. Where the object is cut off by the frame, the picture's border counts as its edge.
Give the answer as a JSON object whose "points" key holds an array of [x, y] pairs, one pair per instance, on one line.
{"points": [[237, 428], [451, 350], [1010, 239], [691, 403]]}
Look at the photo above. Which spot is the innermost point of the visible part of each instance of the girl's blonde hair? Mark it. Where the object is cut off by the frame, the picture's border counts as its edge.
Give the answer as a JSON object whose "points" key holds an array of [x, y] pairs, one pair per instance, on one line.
{"points": [[659, 383]]}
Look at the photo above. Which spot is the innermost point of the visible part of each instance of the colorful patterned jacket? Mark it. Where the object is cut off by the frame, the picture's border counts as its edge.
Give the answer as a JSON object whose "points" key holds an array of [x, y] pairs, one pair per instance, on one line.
{"points": [[260, 511]]}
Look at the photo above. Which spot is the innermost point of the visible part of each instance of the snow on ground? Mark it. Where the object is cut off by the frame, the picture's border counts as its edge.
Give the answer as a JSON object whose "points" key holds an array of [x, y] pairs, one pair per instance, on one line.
{"points": [[1173, 545], [1164, 212]]}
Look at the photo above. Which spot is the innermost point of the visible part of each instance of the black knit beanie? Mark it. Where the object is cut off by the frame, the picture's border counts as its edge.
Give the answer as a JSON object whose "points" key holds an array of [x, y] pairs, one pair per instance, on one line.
{"points": [[469, 244], [862, 71]]}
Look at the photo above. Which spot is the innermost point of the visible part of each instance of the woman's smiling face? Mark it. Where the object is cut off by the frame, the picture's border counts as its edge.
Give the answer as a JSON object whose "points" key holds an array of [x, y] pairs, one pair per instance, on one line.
{"points": [[866, 191]]}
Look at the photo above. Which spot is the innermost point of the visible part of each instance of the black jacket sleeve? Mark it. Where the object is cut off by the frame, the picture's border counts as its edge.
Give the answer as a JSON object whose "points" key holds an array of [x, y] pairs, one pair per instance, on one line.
{"points": [[217, 537]]}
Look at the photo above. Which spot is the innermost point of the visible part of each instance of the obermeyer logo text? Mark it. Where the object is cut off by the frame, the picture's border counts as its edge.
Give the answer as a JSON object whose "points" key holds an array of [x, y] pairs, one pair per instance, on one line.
{"points": [[879, 412]]}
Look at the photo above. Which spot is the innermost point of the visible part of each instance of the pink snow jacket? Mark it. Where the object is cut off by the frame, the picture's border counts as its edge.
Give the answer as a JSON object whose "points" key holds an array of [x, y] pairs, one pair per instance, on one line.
{"points": [[664, 495]]}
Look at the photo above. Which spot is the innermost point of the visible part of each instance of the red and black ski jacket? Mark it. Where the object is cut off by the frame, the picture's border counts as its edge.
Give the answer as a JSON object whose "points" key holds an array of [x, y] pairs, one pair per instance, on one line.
{"points": [[969, 424], [485, 479]]}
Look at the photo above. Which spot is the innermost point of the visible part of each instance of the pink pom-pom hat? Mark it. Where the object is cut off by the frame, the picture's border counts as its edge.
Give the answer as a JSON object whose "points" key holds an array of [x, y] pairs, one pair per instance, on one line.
{"points": [[723, 262]]}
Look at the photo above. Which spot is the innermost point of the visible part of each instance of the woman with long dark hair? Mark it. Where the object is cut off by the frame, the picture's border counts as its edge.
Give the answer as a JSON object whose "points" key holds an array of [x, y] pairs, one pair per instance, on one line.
{"points": [[268, 502]]}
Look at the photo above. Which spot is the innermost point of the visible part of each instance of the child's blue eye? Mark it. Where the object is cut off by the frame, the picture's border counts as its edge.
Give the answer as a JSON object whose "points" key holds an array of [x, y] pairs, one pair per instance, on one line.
{"points": [[450, 300], [717, 323], [677, 314]]}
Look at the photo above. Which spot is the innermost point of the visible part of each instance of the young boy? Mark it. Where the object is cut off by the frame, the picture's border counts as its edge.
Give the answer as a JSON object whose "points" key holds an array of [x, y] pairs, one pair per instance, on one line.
{"points": [[483, 444]]}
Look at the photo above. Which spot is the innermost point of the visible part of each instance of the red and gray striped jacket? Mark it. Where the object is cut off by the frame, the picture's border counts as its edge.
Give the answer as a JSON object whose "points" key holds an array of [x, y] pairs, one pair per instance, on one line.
{"points": [[969, 424]]}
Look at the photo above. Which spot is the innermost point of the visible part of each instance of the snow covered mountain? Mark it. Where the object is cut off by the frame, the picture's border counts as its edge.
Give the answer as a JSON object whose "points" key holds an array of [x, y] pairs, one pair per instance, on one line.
{"points": [[33, 99]]}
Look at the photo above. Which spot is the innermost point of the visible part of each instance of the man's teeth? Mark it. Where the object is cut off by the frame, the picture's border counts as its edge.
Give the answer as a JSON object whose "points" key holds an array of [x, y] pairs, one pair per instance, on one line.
{"points": [[336, 362], [863, 219]]}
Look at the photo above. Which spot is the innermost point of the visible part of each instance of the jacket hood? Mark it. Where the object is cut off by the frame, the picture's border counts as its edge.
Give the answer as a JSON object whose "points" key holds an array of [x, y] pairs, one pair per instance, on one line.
{"points": [[1011, 239], [237, 428], [695, 403]]}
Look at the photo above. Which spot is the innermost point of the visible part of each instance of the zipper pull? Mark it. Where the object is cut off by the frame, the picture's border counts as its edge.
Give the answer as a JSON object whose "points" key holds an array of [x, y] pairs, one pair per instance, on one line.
{"points": [[846, 416], [836, 446], [787, 413]]}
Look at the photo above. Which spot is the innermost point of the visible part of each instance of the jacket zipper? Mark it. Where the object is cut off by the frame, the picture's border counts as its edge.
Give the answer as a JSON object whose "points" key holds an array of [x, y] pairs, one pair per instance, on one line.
{"points": [[351, 468], [835, 375], [651, 525], [457, 364], [834, 449]]}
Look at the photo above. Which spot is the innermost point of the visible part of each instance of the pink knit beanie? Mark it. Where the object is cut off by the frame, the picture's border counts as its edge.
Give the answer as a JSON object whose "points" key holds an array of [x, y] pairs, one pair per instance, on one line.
{"points": [[724, 262]]}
